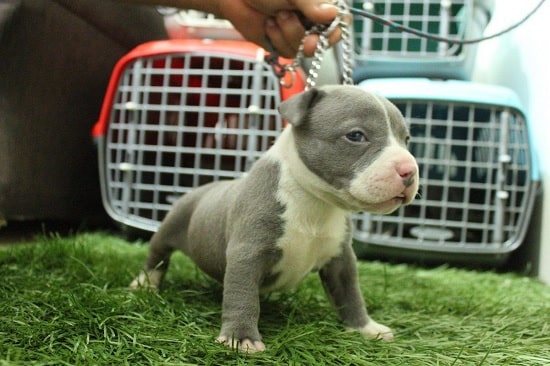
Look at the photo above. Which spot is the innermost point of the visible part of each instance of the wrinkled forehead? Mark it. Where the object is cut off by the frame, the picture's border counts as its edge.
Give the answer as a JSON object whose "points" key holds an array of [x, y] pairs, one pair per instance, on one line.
{"points": [[394, 118], [376, 113]]}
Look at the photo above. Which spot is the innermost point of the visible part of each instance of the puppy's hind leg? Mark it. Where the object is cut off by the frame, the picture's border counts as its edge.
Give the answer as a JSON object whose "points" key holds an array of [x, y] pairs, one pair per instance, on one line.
{"points": [[157, 265], [171, 234]]}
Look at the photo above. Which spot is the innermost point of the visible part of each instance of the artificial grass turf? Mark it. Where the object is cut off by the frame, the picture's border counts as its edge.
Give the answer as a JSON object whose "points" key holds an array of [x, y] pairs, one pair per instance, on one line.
{"points": [[64, 301]]}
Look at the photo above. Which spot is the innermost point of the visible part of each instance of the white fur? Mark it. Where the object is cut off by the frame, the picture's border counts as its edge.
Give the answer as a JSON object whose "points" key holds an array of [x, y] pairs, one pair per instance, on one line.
{"points": [[314, 228], [147, 280], [379, 184], [246, 345], [316, 212], [374, 330]]}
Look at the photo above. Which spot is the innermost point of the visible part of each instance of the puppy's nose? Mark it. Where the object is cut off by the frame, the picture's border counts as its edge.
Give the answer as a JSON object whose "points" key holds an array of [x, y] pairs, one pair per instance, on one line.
{"points": [[408, 181], [407, 172]]}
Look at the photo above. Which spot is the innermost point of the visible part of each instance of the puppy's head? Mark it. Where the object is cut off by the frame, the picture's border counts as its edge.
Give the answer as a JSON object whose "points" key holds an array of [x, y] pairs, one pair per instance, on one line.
{"points": [[354, 143]]}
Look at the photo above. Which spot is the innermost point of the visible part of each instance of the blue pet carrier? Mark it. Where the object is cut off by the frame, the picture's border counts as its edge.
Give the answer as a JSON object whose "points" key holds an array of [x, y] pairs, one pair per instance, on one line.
{"points": [[478, 173], [381, 51]]}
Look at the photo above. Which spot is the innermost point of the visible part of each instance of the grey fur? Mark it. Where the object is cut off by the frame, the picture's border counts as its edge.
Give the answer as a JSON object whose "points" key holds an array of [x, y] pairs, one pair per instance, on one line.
{"points": [[240, 232]]}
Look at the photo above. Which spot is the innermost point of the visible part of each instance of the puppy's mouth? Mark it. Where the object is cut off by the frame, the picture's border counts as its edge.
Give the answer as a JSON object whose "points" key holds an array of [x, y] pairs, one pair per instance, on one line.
{"points": [[382, 207], [400, 198], [392, 204], [403, 198], [406, 196], [398, 201]]}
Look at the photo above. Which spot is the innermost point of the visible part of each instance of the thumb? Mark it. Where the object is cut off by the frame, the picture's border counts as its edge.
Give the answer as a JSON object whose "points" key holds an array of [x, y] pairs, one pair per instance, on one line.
{"points": [[317, 11]]}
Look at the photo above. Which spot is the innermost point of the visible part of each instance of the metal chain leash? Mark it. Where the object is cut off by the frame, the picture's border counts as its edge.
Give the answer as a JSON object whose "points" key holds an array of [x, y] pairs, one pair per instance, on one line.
{"points": [[323, 31], [347, 48]]}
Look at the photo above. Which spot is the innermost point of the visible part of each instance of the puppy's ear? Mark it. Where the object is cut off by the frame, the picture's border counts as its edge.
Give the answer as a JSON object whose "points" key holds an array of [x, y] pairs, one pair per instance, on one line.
{"points": [[295, 109]]}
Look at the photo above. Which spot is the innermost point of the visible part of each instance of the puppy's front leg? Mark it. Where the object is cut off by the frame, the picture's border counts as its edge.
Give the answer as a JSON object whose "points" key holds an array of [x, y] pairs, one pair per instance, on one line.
{"points": [[241, 301], [340, 280]]}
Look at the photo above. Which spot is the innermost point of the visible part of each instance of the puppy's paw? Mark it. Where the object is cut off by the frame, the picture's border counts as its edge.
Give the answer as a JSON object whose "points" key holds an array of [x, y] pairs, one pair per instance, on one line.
{"points": [[374, 330], [246, 345], [148, 280]]}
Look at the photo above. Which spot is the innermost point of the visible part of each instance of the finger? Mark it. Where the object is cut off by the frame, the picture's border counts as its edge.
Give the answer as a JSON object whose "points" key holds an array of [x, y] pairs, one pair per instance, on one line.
{"points": [[310, 43], [248, 21], [317, 11], [291, 28], [278, 40], [335, 36]]}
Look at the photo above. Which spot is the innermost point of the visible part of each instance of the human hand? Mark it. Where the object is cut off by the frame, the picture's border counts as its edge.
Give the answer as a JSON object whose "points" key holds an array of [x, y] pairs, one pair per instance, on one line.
{"points": [[280, 21]]}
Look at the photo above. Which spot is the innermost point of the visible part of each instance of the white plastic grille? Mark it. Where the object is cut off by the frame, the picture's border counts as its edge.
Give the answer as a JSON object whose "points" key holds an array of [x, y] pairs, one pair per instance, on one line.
{"points": [[182, 120], [475, 191], [447, 18]]}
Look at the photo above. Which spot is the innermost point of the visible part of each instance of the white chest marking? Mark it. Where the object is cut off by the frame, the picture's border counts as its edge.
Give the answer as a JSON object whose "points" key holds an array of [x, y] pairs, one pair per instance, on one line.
{"points": [[307, 246], [314, 229]]}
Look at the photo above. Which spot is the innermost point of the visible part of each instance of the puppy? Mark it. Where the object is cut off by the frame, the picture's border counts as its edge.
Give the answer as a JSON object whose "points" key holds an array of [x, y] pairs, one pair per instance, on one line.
{"points": [[343, 151]]}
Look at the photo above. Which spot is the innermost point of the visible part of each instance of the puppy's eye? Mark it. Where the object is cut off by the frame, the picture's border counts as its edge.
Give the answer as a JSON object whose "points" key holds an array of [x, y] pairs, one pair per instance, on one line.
{"points": [[356, 136], [407, 140]]}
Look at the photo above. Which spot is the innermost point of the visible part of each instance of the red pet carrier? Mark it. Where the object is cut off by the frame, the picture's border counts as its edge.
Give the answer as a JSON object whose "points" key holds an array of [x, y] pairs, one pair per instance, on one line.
{"points": [[181, 113]]}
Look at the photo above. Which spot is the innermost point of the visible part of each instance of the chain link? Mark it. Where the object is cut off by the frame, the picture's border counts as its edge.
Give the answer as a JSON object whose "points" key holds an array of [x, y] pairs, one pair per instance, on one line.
{"points": [[324, 32], [347, 53], [317, 61]]}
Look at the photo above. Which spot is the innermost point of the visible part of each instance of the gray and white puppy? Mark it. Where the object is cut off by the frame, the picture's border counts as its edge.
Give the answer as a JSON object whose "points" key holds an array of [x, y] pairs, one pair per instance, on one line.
{"points": [[343, 151]]}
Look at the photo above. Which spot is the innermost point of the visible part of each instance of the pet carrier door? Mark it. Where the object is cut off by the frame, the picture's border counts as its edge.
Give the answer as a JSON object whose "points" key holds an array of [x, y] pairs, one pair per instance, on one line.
{"points": [[179, 114], [478, 173]]}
